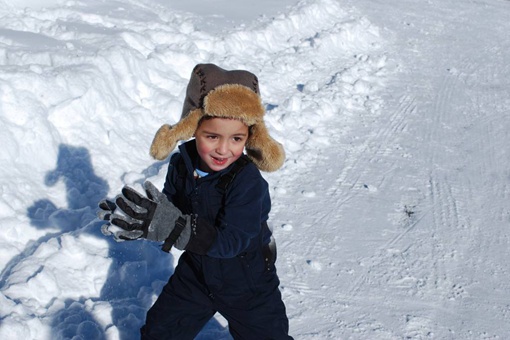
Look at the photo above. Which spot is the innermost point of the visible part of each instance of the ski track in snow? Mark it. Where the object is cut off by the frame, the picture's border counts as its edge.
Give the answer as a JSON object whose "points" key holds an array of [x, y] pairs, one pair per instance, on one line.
{"points": [[384, 213], [426, 262], [438, 268]]}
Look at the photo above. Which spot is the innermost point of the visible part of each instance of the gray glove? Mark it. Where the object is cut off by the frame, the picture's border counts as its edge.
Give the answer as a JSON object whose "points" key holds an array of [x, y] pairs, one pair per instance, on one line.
{"points": [[153, 217]]}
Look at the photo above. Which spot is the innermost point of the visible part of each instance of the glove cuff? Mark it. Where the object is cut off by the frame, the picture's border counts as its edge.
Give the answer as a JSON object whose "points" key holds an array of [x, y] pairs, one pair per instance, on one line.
{"points": [[203, 235], [180, 224]]}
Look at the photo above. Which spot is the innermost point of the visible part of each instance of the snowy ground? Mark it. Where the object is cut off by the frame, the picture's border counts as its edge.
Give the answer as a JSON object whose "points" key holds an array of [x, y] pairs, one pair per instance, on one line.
{"points": [[391, 212]]}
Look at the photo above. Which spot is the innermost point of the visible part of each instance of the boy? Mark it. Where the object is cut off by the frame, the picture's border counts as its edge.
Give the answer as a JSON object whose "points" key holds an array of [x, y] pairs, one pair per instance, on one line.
{"points": [[215, 206]]}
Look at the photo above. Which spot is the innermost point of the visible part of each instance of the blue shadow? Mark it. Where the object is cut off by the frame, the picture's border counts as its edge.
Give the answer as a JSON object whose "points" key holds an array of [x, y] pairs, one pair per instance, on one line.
{"points": [[138, 269]]}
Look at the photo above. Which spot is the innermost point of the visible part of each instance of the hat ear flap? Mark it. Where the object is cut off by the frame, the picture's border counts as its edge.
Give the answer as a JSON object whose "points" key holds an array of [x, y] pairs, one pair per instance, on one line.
{"points": [[167, 136], [267, 154]]}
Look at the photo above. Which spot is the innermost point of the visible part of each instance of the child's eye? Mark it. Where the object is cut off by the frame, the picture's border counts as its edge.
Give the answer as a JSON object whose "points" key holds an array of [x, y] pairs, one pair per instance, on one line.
{"points": [[212, 137], [238, 139]]}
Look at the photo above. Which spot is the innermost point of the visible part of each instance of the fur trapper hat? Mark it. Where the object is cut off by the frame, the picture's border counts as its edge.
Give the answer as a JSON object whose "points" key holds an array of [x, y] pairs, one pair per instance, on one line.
{"points": [[213, 91]]}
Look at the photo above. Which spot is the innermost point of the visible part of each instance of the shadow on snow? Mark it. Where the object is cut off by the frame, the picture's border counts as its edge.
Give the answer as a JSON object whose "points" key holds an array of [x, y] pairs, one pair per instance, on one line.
{"points": [[138, 269]]}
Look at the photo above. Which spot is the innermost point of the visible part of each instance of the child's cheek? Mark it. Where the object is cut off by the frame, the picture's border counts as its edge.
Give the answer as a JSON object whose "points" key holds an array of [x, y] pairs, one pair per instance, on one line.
{"points": [[238, 153], [203, 148]]}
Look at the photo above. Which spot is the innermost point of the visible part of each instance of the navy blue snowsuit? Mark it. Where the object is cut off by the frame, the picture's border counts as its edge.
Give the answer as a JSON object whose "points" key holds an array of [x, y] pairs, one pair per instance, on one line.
{"points": [[224, 267]]}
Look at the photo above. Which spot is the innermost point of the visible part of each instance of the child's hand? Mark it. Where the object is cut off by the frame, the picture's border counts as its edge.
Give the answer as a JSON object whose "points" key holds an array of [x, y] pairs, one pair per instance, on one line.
{"points": [[152, 217], [106, 210]]}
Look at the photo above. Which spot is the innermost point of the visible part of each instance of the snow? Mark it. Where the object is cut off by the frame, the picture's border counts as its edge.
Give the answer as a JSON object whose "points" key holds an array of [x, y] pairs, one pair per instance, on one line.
{"points": [[391, 211]]}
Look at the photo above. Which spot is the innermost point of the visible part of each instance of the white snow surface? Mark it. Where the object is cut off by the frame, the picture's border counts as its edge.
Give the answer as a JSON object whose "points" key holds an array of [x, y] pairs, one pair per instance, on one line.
{"points": [[391, 212]]}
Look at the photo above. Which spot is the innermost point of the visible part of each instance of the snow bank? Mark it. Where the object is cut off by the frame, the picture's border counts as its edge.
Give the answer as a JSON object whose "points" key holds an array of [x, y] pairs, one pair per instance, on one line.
{"points": [[83, 88]]}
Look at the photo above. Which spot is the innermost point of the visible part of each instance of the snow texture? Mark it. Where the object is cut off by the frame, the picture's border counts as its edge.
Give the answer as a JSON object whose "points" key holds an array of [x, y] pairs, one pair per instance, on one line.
{"points": [[391, 212]]}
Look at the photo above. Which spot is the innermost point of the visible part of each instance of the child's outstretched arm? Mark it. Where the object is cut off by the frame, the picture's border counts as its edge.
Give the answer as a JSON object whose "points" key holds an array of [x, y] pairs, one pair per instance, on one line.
{"points": [[152, 217]]}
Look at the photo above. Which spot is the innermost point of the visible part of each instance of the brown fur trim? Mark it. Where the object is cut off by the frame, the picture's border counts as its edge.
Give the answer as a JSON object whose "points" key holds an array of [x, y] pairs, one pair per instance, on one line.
{"points": [[267, 154], [167, 136], [234, 101]]}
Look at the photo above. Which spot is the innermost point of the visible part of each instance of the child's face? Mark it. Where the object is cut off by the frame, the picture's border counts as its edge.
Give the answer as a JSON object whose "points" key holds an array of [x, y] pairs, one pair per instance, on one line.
{"points": [[220, 142]]}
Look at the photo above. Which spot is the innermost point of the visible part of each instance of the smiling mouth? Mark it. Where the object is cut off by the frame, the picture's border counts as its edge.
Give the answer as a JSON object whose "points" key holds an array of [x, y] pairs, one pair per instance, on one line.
{"points": [[219, 161]]}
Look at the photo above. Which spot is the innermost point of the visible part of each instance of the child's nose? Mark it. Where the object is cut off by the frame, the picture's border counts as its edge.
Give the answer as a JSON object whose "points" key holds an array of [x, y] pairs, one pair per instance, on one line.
{"points": [[222, 147]]}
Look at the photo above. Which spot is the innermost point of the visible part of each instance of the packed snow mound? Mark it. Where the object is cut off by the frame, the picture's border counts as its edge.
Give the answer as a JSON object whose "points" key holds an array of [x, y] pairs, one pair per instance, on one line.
{"points": [[33, 4], [390, 212], [85, 85]]}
